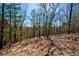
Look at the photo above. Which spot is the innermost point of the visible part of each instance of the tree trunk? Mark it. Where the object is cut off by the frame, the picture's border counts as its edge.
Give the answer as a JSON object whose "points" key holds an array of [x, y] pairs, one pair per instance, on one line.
{"points": [[2, 24], [21, 33], [10, 25], [39, 28], [69, 25], [15, 24]]}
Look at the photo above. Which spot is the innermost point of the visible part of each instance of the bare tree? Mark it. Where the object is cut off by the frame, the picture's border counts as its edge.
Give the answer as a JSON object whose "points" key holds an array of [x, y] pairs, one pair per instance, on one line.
{"points": [[50, 11], [17, 9], [33, 18], [22, 19], [68, 15]]}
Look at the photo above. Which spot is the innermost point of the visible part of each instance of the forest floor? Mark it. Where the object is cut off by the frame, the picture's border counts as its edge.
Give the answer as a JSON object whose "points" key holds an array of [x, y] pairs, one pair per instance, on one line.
{"points": [[64, 46]]}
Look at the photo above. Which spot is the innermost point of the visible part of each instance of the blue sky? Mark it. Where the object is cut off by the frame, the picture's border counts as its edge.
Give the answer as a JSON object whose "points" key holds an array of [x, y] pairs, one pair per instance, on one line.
{"points": [[29, 7]]}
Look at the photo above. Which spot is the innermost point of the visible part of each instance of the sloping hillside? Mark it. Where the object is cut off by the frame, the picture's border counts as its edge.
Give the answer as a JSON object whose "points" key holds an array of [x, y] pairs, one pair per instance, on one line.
{"points": [[62, 45]]}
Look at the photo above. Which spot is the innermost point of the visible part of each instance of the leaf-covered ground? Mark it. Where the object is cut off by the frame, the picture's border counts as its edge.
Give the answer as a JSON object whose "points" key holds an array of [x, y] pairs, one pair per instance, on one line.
{"points": [[57, 45]]}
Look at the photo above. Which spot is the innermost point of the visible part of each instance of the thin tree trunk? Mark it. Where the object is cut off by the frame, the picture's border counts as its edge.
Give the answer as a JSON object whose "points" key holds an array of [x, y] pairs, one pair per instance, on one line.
{"points": [[2, 24], [21, 33], [71, 7], [15, 24], [10, 25], [39, 28]]}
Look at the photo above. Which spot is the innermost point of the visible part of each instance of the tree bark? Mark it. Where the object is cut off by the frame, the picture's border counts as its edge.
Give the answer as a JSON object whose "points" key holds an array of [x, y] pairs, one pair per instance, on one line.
{"points": [[2, 24], [69, 25], [10, 25], [15, 23]]}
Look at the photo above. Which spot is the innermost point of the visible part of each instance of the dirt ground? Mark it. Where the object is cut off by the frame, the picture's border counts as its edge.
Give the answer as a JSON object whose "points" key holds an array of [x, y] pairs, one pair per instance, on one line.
{"points": [[60, 45]]}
